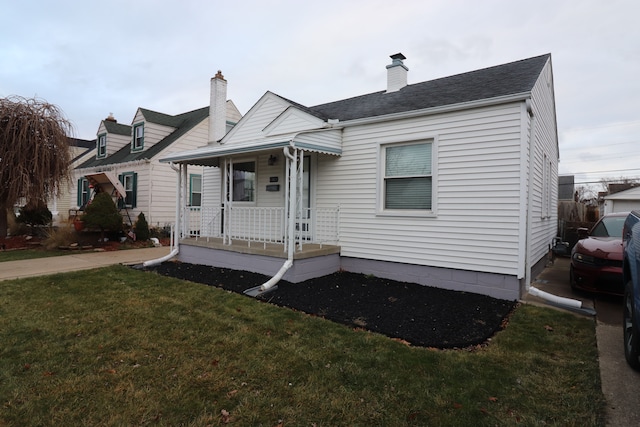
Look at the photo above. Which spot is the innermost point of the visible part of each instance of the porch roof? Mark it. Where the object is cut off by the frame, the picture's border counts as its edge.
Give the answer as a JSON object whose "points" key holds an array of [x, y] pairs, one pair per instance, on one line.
{"points": [[210, 155]]}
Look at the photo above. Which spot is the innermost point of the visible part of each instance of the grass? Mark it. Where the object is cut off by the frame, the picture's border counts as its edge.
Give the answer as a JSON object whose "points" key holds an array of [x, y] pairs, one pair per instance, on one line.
{"points": [[116, 346]]}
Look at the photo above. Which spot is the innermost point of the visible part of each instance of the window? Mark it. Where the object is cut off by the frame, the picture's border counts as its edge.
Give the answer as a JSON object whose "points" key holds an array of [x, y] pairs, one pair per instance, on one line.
{"points": [[195, 190], [102, 146], [244, 180], [129, 181], [407, 176], [138, 137], [83, 192]]}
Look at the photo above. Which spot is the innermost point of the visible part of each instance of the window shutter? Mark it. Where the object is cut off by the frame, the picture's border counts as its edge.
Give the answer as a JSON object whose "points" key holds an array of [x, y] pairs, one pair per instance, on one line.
{"points": [[120, 200], [134, 192], [79, 198]]}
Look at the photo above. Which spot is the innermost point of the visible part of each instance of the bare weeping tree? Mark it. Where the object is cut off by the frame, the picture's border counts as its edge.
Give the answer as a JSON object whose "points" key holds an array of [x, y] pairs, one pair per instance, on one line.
{"points": [[35, 155]]}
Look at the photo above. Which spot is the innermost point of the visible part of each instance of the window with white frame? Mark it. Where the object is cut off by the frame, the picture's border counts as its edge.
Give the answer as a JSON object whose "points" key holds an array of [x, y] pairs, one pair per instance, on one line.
{"points": [[195, 190], [407, 176], [102, 146], [244, 181], [138, 137], [129, 182]]}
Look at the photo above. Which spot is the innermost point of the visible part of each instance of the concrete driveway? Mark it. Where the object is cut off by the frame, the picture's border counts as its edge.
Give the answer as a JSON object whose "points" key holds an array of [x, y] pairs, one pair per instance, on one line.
{"points": [[620, 383]]}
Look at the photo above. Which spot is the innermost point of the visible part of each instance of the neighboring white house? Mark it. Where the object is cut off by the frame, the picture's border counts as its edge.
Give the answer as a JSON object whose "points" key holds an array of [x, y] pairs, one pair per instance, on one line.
{"points": [[622, 201], [449, 183], [81, 150], [127, 158]]}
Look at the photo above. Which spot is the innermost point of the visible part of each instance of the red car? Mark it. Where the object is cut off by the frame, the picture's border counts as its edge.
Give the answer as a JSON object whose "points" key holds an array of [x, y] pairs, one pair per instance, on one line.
{"points": [[596, 260]]}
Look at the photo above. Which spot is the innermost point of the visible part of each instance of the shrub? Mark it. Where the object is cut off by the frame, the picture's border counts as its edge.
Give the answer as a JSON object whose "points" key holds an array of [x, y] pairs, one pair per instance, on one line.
{"points": [[60, 236], [102, 213], [34, 213], [141, 228]]}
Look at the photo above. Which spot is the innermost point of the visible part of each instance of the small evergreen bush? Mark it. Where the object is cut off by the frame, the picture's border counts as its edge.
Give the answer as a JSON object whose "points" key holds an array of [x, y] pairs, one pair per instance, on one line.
{"points": [[141, 228], [35, 213], [102, 213]]}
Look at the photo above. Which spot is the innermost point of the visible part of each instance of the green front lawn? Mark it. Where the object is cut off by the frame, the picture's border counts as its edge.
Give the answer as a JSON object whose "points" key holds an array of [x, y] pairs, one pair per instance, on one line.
{"points": [[117, 346]]}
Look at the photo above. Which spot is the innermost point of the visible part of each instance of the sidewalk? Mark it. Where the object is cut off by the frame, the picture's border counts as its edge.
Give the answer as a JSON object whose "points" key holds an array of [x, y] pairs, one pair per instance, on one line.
{"points": [[75, 262]]}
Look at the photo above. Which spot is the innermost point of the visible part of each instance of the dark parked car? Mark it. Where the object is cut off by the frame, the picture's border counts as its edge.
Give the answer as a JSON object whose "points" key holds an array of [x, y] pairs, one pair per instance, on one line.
{"points": [[596, 260], [631, 309]]}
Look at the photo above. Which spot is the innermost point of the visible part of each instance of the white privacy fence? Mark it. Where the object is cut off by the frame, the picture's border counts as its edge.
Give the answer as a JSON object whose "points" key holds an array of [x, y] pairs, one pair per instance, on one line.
{"points": [[261, 225]]}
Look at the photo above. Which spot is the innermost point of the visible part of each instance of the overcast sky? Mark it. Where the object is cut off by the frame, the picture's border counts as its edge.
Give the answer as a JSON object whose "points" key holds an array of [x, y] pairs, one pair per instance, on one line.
{"points": [[95, 58]]}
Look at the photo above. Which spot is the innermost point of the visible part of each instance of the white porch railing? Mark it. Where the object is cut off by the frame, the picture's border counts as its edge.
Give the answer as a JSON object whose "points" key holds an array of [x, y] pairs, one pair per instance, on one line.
{"points": [[262, 225]]}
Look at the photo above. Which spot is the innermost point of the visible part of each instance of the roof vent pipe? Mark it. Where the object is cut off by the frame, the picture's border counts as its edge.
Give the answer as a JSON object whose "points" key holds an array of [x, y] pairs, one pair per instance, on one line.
{"points": [[396, 73]]}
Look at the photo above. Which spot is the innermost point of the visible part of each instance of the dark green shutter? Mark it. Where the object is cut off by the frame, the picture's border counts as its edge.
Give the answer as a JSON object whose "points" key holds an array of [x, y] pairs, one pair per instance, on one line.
{"points": [[134, 192], [79, 199], [120, 200]]}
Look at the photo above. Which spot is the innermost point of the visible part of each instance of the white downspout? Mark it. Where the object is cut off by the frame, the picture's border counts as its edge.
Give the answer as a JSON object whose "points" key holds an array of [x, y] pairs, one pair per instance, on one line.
{"points": [[175, 247], [528, 228], [567, 302], [291, 169]]}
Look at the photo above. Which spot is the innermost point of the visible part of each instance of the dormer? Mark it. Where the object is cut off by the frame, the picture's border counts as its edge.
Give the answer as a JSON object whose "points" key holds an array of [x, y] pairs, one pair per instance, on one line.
{"points": [[111, 137], [149, 127]]}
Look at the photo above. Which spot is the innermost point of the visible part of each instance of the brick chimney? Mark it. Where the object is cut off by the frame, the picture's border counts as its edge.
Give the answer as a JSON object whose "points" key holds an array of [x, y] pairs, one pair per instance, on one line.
{"points": [[217, 108], [111, 118], [396, 73]]}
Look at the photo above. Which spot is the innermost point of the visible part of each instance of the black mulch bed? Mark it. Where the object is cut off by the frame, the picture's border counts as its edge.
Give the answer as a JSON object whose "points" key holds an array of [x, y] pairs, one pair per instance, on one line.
{"points": [[420, 315]]}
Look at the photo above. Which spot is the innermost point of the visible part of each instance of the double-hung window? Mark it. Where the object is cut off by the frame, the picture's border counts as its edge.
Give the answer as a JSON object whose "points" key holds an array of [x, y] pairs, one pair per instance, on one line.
{"points": [[244, 181], [195, 190], [138, 137], [129, 181], [102, 146], [407, 177]]}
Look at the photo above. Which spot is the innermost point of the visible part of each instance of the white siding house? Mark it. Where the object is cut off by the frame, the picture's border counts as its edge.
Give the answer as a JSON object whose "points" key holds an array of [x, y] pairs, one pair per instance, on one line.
{"points": [[623, 201], [81, 150], [131, 153], [449, 183]]}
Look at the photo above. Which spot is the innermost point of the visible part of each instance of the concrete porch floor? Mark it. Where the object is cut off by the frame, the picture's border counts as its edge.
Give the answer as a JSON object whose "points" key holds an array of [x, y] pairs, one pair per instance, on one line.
{"points": [[277, 250]]}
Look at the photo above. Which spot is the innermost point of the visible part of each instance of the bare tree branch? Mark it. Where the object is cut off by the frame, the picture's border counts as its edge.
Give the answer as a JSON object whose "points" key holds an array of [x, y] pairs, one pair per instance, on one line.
{"points": [[35, 156]]}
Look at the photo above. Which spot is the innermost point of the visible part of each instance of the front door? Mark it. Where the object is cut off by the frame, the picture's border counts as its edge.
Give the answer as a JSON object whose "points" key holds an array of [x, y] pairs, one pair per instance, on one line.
{"points": [[304, 223]]}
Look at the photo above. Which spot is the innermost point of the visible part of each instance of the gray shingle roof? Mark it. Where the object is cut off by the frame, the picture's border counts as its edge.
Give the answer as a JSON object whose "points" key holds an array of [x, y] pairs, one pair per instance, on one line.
{"points": [[117, 128], [182, 122], [507, 79]]}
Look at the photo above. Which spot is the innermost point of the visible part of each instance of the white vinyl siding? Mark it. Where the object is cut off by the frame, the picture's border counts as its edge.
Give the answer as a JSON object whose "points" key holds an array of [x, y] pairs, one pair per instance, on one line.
{"points": [[114, 141], [544, 143], [156, 182], [476, 223]]}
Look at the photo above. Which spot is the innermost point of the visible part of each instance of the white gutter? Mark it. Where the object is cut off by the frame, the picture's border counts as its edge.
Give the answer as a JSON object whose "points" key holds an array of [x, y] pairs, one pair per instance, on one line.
{"points": [[516, 97], [175, 247]]}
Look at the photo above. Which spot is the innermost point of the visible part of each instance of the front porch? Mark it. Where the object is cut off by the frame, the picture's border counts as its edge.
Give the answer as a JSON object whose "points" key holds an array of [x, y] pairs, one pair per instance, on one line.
{"points": [[312, 261], [257, 240], [264, 228]]}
